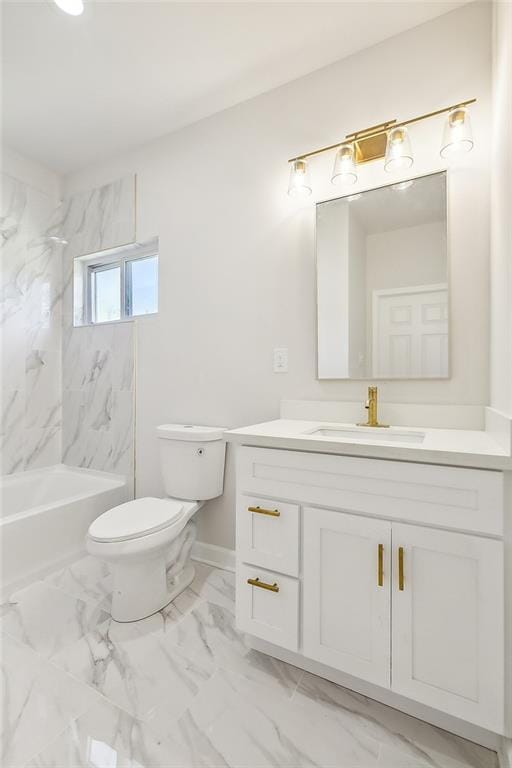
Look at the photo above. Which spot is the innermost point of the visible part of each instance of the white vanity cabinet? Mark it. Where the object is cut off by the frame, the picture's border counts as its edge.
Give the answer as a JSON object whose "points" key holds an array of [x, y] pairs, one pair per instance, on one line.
{"points": [[389, 572], [434, 597]]}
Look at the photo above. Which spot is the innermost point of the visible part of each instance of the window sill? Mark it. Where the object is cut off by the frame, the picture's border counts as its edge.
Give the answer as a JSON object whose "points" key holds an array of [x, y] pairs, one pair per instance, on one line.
{"points": [[122, 320]]}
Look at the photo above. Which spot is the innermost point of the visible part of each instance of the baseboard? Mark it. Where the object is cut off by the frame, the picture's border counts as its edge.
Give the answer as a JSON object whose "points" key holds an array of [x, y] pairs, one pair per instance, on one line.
{"points": [[505, 753], [211, 554]]}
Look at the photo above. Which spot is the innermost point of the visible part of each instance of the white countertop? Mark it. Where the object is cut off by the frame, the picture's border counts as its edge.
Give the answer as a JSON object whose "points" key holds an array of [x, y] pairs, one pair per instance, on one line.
{"points": [[455, 447]]}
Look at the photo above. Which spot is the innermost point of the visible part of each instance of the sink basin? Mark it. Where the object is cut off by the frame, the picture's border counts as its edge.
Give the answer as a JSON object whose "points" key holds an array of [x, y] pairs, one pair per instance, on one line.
{"points": [[369, 434]]}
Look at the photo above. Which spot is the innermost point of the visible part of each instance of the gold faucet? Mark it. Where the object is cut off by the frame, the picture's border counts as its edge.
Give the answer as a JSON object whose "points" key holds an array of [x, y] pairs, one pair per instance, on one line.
{"points": [[371, 406]]}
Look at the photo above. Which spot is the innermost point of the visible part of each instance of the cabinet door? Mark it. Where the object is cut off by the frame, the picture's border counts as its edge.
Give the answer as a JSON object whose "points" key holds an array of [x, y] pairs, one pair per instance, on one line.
{"points": [[448, 625], [347, 593]]}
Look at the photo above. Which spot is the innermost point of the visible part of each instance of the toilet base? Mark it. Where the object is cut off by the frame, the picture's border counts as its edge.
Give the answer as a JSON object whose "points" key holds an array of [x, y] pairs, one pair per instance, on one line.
{"points": [[141, 604], [143, 587]]}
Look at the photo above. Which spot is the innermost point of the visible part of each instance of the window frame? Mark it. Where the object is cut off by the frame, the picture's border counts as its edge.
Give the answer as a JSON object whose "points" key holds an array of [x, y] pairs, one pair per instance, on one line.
{"points": [[119, 257]]}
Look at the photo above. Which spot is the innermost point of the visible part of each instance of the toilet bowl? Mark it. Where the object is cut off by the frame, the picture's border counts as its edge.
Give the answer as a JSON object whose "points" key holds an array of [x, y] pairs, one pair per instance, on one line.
{"points": [[148, 541]]}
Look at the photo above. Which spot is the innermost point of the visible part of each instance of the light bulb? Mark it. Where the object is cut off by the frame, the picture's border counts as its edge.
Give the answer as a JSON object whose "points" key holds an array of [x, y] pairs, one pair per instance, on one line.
{"points": [[398, 150], [299, 185], [457, 133], [344, 171], [73, 7], [403, 184]]}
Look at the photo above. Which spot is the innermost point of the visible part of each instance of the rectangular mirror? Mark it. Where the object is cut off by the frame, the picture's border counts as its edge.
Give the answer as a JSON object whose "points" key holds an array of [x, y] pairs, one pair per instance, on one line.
{"points": [[382, 282]]}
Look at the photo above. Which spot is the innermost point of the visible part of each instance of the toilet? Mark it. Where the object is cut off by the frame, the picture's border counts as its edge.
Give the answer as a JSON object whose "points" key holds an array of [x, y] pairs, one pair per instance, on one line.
{"points": [[148, 541]]}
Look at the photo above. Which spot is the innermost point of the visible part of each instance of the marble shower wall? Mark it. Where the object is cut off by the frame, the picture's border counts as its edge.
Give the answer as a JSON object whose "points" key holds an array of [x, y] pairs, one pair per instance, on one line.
{"points": [[30, 322], [97, 361]]}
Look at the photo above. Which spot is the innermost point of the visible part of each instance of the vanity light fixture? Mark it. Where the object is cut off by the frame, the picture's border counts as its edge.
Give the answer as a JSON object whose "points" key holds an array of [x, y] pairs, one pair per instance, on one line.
{"points": [[344, 171], [389, 140], [73, 7], [457, 134], [299, 185], [398, 150]]}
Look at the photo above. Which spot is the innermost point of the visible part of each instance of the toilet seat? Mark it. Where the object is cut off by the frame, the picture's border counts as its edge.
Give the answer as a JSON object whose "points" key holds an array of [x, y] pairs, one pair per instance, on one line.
{"points": [[137, 518]]}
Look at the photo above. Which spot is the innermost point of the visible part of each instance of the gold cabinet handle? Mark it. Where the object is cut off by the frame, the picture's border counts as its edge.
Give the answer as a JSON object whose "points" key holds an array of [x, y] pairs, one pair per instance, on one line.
{"points": [[401, 569], [380, 578], [263, 584], [262, 511]]}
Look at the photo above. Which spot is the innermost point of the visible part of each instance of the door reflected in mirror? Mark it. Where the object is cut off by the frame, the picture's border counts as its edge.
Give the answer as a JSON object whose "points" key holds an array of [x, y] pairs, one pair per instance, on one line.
{"points": [[382, 281]]}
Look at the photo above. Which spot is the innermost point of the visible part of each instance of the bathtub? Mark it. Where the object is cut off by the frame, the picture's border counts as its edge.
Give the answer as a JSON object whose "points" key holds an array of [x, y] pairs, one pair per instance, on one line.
{"points": [[45, 514]]}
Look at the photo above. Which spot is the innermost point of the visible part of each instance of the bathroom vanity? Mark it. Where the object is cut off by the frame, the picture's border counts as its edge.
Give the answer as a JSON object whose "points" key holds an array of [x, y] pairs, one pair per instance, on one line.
{"points": [[379, 557], [376, 559]]}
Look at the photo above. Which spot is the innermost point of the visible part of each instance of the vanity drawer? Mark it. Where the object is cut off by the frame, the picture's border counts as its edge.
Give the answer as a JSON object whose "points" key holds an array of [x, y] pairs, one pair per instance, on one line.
{"points": [[449, 497], [268, 607], [267, 533]]}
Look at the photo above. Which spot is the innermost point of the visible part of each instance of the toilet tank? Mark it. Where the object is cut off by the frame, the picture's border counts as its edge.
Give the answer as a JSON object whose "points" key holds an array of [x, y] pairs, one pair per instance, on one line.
{"points": [[192, 461]]}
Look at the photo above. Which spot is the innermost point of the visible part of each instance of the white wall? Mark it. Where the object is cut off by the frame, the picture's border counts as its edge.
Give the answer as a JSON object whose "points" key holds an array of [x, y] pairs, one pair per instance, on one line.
{"points": [[501, 213], [31, 173], [237, 254]]}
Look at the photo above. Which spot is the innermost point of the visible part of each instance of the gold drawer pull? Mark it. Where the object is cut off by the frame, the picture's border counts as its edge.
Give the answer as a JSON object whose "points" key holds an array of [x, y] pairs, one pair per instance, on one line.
{"points": [[401, 569], [380, 579], [261, 511], [263, 584]]}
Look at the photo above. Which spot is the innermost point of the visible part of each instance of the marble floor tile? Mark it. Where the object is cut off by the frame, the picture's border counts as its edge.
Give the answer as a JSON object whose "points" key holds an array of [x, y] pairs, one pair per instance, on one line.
{"points": [[226, 727], [415, 740], [47, 619], [137, 671], [38, 702], [200, 750], [218, 588], [184, 688], [89, 579], [208, 632], [107, 737]]}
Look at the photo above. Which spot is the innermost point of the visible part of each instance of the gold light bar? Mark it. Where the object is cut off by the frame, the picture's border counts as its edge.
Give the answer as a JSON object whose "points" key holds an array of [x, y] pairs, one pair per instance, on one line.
{"points": [[370, 143]]}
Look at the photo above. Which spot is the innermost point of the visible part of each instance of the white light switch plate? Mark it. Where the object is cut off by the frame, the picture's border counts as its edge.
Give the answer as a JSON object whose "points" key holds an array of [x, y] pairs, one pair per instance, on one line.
{"points": [[281, 360]]}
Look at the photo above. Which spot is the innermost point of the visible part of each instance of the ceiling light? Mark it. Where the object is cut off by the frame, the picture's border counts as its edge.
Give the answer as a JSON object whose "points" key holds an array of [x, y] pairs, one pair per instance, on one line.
{"points": [[398, 150], [344, 171], [457, 134], [299, 185], [73, 7]]}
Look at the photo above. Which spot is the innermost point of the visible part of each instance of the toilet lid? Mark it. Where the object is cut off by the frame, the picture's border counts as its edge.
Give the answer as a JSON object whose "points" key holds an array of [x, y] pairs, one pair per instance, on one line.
{"points": [[136, 518]]}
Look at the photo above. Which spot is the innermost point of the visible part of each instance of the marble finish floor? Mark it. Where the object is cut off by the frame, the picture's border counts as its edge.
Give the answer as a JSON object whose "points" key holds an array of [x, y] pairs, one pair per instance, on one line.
{"points": [[182, 689]]}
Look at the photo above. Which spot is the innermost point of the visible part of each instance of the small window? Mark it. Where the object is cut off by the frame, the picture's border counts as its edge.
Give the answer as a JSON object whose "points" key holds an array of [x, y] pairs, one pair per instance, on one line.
{"points": [[142, 286], [117, 285], [106, 294]]}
